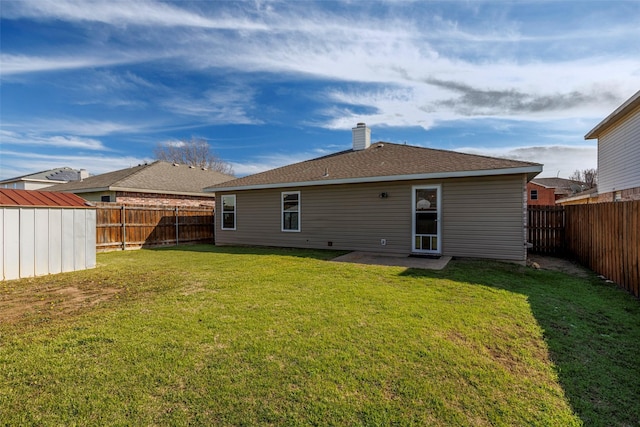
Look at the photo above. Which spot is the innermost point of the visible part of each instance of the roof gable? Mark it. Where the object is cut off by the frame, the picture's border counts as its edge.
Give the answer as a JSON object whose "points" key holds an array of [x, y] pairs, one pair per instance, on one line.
{"points": [[627, 107], [382, 161]]}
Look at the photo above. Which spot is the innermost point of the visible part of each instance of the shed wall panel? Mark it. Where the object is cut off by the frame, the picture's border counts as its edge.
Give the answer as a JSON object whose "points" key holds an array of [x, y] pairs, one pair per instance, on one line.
{"points": [[67, 241], [2, 243], [90, 238], [79, 240], [41, 242], [55, 241], [11, 243], [27, 242]]}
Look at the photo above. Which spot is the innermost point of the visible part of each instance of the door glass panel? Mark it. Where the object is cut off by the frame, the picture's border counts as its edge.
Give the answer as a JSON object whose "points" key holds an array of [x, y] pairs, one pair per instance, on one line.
{"points": [[426, 223], [426, 220]]}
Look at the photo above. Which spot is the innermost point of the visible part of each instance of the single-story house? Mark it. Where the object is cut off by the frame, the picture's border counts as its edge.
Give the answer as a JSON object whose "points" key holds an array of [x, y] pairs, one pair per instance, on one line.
{"points": [[44, 179], [157, 183], [382, 197], [618, 138]]}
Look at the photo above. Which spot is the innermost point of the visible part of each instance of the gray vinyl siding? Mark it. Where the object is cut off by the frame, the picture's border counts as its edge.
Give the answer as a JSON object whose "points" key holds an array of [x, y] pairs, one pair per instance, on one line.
{"points": [[481, 217], [484, 218], [619, 155]]}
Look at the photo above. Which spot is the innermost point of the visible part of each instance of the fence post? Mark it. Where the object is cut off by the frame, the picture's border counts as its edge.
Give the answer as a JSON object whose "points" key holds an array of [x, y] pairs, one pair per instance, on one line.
{"points": [[177, 226], [123, 218]]}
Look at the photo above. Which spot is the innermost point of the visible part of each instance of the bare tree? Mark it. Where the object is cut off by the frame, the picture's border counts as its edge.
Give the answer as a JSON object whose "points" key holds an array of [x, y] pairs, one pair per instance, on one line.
{"points": [[195, 152], [587, 176]]}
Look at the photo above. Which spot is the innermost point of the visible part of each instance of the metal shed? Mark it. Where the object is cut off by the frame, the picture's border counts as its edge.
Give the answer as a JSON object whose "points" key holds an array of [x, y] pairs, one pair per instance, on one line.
{"points": [[45, 233]]}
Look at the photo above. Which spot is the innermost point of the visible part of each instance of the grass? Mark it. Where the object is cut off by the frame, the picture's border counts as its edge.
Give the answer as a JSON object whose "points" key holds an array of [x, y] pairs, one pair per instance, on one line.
{"points": [[199, 335]]}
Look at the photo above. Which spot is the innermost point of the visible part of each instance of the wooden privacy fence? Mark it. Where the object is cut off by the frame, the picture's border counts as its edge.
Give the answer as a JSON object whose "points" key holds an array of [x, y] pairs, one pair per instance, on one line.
{"points": [[606, 238], [120, 227], [602, 236]]}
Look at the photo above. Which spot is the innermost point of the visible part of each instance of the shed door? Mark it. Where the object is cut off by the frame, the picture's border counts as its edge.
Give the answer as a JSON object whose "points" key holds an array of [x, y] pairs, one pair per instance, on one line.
{"points": [[426, 219]]}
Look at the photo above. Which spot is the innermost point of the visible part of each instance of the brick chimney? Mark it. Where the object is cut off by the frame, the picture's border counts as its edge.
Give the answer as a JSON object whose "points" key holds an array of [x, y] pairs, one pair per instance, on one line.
{"points": [[361, 137]]}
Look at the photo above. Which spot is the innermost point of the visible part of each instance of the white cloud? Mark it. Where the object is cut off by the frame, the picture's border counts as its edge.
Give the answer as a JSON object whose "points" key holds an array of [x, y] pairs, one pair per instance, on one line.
{"points": [[558, 160], [272, 161], [230, 104], [43, 127], [57, 141], [118, 13], [19, 64], [21, 163]]}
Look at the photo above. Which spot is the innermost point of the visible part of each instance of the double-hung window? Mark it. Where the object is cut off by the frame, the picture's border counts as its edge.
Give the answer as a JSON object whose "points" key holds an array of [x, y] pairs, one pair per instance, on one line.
{"points": [[534, 194], [291, 211], [229, 212]]}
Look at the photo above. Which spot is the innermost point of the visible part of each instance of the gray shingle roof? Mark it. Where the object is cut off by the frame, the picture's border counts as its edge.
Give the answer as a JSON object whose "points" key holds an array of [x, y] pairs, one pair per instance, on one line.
{"points": [[382, 161], [156, 177], [59, 174], [560, 185]]}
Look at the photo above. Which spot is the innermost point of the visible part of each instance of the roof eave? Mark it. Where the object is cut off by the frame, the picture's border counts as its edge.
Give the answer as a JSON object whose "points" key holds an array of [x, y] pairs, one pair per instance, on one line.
{"points": [[629, 105], [531, 172]]}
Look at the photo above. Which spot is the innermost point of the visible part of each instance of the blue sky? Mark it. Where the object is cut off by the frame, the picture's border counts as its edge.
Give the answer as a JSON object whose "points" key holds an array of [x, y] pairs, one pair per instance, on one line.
{"points": [[97, 85]]}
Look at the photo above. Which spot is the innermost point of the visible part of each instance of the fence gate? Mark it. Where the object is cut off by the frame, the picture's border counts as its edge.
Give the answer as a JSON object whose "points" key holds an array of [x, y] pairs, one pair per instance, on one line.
{"points": [[546, 229]]}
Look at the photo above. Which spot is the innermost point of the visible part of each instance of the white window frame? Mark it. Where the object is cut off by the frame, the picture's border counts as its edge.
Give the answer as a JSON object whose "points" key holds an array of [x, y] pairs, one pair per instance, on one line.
{"points": [[282, 196], [235, 211], [531, 194]]}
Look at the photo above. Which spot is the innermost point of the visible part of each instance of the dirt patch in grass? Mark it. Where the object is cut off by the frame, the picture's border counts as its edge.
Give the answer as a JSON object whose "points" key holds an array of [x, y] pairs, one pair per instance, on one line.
{"points": [[19, 302], [559, 264]]}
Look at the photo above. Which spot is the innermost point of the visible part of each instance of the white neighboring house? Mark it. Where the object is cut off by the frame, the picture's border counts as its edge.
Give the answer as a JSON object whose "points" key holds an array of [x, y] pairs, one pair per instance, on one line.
{"points": [[618, 138], [44, 179]]}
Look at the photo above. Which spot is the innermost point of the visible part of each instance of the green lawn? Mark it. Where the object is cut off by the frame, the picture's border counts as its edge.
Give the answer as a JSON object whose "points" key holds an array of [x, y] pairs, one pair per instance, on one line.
{"points": [[199, 335]]}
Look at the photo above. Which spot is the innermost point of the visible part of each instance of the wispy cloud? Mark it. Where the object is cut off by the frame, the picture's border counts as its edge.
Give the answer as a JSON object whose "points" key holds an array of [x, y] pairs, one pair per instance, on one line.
{"points": [[56, 141], [17, 163], [76, 127], [558, 160], [231, 104], [119, 13], [263, 163], [20, 64]]}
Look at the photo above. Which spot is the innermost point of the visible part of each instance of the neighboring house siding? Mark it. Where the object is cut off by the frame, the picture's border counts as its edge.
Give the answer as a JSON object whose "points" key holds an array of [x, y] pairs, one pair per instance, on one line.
{"points": [[26, 185], [481, 217], [619, 155]]}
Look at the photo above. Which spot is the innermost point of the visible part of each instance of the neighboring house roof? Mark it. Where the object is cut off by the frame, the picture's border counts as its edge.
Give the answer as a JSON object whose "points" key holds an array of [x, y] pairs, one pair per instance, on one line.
{"points": [[55, 176], [157, 177], [40, 198], [628, 106], [382, 161], [591, 192], [561, 185]]}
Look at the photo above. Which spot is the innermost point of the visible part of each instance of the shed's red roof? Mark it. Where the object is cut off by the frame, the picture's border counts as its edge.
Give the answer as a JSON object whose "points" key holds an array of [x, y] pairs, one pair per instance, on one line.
{"points": [[40, 198]]}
